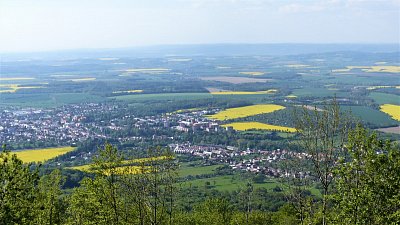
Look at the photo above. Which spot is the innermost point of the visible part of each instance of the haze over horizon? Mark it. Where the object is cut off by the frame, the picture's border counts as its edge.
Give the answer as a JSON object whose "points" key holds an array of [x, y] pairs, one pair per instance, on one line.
{"points": [[46, 25]]}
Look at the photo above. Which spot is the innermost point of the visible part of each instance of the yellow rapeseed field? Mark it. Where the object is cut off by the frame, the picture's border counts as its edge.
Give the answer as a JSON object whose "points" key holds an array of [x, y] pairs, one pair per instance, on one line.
{"points": [[11, 88], [242, 126], [119, 170], [371, 69], [240, 112], [392, 110], [41, 155], [291, 96], [383, 69], [125, 167]]}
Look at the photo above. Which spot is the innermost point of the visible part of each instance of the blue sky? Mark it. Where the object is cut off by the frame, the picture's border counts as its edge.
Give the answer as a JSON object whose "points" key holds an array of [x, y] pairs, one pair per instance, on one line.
{"points": [[41, 25]]}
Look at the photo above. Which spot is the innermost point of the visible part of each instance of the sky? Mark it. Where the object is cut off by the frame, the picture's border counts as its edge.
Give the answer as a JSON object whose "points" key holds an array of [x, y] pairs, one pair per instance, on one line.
{"points": [[43, 25]]}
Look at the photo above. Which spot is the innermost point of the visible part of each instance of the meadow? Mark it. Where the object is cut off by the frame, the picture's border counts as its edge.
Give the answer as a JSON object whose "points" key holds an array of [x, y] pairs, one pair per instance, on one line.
{"points": [[392, 110], [186, 170], [243, 126], [246, 111], [234, 183], [41, 155]]}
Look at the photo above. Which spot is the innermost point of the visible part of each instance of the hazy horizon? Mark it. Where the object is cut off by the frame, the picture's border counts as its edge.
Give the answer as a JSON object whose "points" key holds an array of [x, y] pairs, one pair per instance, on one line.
{"points": [[44, 25]]}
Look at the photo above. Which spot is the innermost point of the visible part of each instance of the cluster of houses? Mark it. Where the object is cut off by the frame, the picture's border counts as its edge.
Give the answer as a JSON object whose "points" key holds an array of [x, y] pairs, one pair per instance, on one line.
{"points": [[64, 125], [214, 152], [193, 121], [254, 161], [266, 162]]}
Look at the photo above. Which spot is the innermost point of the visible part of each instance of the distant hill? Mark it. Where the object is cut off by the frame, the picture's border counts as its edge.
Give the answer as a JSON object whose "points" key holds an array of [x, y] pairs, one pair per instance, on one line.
{"points": [[206, 49]]}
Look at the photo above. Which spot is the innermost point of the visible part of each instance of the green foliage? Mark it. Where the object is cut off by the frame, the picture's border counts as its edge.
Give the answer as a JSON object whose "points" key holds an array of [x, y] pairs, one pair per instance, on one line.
{"points": [[17, 190], [368, 181], [214, 211], [49, 204]]}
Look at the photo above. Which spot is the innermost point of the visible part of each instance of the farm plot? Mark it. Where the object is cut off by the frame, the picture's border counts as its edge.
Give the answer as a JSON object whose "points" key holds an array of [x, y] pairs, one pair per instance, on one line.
{"points": [[186, 170], [392, 110], [370, 69], [127, 166], [128, 91], [243, 126], [246, 111], [370, 116], [384, 98], [390, 130], [150, 71], [236, 80], [254, 73], [16, 78], [41, 155], [162, 97], [12, 88], [271, 91]]}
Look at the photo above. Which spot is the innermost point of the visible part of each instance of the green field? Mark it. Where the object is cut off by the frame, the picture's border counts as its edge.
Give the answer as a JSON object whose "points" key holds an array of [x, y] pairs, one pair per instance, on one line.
{"points": [[46, 99], [317, 92], [186, 170], [371, 116], [224, 182], [162, 97], [231, 183], [383, 98]]}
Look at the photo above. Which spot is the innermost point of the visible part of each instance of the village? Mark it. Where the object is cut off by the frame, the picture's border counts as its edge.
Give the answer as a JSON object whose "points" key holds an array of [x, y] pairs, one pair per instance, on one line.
{"points": [[267, 162]]}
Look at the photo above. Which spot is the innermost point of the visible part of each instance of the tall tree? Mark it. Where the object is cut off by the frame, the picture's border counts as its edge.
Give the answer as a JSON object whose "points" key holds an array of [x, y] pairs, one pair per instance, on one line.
{"points": [[98, 200], [368, 181], [323, 132]]}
